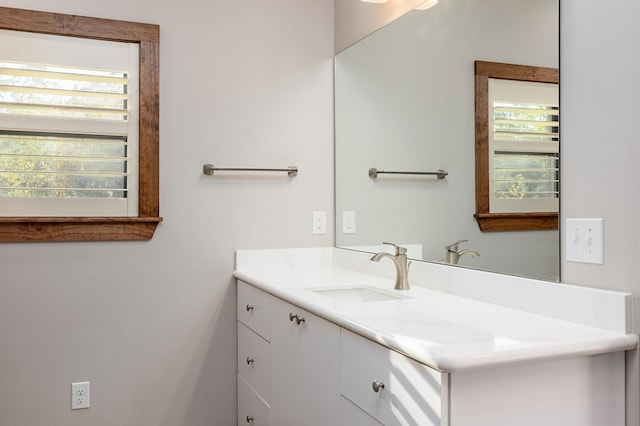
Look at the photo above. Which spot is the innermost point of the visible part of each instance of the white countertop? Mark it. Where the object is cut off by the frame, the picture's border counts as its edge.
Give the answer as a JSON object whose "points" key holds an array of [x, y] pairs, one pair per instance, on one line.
{"points": [[444, 331]]}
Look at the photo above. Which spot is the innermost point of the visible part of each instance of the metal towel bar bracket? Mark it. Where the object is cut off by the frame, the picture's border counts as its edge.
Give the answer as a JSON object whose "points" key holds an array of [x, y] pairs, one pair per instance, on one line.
{"points": [[373, 173], [210, 169]]}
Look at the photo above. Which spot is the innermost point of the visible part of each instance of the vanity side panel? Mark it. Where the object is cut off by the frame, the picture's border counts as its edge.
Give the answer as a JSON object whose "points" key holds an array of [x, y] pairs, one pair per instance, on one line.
{"points": [[582, 391]]}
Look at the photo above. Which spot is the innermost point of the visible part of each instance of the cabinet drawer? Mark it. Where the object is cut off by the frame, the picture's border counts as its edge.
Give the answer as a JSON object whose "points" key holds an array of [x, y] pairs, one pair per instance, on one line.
{"points": [[254, 361], [406, 392], [254, 309], [351, 415], [252, 410]]}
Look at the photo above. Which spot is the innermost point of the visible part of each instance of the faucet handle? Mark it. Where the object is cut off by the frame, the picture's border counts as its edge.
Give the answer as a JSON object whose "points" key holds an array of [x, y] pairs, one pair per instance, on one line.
{"points": [[454, 246], [399, 250]]}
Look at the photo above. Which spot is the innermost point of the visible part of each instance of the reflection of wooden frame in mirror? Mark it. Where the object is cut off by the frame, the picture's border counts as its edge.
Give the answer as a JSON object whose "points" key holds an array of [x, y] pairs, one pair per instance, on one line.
{"points": [[502, 221]]}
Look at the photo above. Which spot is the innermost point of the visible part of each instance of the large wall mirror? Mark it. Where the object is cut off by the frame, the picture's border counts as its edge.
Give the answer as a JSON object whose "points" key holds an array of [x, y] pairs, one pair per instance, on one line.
{"points": [[404, 101]]}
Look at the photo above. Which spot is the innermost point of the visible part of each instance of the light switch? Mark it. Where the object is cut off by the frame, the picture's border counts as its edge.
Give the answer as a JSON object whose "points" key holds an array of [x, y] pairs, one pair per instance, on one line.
{"points": [[585, 240]]}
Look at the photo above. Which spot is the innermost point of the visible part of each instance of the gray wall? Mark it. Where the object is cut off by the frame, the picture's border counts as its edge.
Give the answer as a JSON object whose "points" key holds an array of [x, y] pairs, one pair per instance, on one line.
{"points": [[405, 101], [155, 329], [152, 324], [600, 78]]}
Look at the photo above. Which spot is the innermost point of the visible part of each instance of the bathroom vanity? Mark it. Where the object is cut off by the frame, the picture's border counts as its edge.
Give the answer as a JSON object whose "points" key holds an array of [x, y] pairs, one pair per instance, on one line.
{"points": [[323, 339]]}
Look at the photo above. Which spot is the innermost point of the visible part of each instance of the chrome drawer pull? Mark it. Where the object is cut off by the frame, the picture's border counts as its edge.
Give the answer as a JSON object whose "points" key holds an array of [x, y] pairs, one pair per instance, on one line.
{"points": [[249, 361], [249, 308], [249, 419], [377, 386], [299, 320]]}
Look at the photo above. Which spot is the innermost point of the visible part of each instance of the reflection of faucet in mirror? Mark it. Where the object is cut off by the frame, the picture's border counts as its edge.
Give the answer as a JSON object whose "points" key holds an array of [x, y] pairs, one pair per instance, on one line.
{"points": [[453, 254], [400, 262]]}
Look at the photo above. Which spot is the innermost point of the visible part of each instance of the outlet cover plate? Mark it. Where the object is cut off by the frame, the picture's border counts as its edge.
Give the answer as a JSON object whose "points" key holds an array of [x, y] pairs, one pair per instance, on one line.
{"points": [[80, 395], [319, 222]]}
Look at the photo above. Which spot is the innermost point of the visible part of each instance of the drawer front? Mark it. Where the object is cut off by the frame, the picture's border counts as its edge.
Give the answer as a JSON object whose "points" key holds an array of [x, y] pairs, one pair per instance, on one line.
{"points": [[352, 415], [252, 410], [392, 388], [254, 361], [254, 309]]}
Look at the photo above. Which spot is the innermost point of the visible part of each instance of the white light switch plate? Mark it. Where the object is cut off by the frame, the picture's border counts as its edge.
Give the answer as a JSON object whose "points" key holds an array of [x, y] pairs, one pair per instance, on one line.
{"points": [[585, 240]]}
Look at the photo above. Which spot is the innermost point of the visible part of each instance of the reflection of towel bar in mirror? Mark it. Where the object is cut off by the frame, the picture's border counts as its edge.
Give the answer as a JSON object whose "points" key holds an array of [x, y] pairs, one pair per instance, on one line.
{"points": [[209, 170], [373, 173]]}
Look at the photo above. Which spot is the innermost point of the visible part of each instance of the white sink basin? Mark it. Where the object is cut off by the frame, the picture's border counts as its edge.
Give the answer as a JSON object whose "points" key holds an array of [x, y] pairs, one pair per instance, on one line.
{"points": [[358, 294]]}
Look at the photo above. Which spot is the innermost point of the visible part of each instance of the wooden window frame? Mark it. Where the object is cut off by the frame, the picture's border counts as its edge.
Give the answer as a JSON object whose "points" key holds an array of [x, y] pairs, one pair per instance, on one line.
{"points": [[488, 221], [143, 226]]}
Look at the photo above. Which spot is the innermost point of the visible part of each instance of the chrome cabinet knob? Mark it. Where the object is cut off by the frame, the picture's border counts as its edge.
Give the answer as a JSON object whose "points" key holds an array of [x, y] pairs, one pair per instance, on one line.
{"points": [[249, 360], [249, 308], [249, 419], [299, 320], [377, 386]]}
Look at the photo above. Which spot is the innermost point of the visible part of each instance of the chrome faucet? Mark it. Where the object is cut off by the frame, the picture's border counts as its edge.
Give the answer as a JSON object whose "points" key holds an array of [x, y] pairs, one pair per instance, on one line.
{"points": [[400, 262], [453, 254]]}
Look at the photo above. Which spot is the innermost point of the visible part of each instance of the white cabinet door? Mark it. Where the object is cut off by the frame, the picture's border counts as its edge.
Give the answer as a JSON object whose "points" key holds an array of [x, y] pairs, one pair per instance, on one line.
{"points": [[305, 380]]}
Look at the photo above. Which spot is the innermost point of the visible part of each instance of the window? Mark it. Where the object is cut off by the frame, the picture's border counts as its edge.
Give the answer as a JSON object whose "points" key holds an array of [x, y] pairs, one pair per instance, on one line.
{"points": [[517, 147], [68, 126], [78, 128]]}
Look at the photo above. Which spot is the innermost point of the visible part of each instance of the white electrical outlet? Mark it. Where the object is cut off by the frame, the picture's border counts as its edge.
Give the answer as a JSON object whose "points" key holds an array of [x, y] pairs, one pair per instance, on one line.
{"points": [[348, 222], [80, 395], [320, 222], [585, 240]]}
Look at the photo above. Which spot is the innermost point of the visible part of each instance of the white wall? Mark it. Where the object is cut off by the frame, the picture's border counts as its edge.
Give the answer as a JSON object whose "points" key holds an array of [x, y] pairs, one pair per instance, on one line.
{"points": [[600, 148], [405, 101], [152, 324]]}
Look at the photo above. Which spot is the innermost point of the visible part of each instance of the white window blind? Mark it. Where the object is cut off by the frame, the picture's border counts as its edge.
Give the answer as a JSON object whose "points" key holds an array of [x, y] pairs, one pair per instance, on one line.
{"points": [[68, 126], [524, 146]]}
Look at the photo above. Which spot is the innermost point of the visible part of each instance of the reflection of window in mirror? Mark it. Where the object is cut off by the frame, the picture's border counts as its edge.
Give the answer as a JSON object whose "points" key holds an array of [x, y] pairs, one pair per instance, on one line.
{"points": [[516, 147]]}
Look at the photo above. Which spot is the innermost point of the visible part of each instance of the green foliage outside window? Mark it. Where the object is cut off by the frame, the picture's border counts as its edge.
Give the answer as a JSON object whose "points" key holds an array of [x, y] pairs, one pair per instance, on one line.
{"points": [[45, 164]]}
